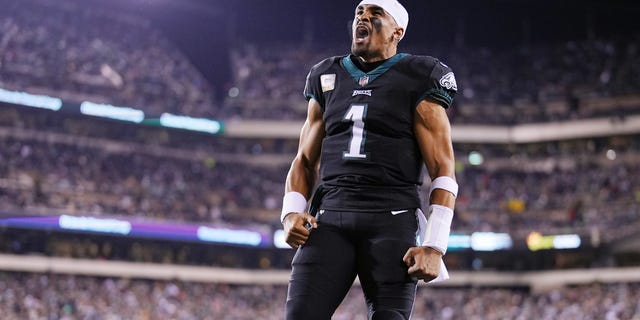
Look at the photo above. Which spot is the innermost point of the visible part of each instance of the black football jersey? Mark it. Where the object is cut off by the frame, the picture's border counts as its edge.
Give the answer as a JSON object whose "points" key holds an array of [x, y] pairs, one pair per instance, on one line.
{"points": [[370, 159]]}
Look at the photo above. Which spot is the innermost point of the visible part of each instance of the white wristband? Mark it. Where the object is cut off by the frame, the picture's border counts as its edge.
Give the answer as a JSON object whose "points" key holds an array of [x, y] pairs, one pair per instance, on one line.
{"points": [[445, 183], [438, 228], [292, 202]]}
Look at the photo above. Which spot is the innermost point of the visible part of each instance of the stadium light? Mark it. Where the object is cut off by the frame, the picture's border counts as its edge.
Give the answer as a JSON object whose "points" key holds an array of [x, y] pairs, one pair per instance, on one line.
{"points": [[475, 158]]}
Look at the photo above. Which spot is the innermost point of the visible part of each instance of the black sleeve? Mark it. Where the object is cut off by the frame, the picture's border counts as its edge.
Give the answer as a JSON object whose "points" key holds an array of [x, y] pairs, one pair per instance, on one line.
{"points": [[312, 89], [441, 85]]}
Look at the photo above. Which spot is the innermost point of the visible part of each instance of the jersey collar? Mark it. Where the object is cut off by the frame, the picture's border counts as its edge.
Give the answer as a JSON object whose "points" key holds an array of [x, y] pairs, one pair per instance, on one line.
{"points": [[364, 78]]}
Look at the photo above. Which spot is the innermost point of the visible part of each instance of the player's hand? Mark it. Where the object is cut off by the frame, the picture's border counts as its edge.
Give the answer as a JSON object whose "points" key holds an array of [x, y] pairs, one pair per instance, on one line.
{"points": [[297, 227], [423, 262]]}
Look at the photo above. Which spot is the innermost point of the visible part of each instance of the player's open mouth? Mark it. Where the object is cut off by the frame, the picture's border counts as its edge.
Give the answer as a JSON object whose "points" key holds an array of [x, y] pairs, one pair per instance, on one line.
{"points": [[361, 33]]}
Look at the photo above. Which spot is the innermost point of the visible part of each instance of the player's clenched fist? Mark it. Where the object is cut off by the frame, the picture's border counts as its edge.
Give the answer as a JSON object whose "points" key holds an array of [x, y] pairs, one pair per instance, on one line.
{"points": [[423, 262], [297, 227]]}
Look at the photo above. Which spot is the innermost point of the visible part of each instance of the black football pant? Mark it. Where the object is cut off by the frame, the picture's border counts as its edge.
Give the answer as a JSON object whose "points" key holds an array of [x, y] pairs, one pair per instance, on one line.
{"points": [[346, 244]]}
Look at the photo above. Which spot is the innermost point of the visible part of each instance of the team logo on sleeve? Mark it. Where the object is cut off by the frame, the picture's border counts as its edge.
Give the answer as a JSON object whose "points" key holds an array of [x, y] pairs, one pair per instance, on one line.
{"points": [[449, 81], [328, 82]]}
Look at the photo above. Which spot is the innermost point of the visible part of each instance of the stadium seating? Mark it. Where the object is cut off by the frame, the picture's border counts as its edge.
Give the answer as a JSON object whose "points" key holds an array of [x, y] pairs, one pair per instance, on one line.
{"points": [[70, 50], [35, 296]]}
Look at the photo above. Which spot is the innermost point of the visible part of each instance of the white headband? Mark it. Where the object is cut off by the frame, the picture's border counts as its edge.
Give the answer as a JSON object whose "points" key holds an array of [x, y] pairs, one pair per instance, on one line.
{"points": [[395, 9]]}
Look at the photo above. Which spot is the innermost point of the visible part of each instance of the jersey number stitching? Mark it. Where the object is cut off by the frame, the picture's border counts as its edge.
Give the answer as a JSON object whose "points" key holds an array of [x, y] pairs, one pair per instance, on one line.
{"points": [[356, 114]]}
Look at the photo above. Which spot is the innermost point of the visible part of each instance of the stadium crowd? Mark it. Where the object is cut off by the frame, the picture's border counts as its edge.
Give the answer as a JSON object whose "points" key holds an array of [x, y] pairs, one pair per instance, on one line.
{"points": [[70, 50], [46, 178], [52, 296]]}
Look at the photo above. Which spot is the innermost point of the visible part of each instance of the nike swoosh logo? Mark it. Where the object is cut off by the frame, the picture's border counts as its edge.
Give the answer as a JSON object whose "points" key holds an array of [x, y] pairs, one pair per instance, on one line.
{"points": [[398, 212]]}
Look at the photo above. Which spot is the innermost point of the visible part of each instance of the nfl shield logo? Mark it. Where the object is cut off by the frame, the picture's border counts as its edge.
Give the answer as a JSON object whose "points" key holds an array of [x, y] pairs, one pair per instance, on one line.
{"points": [[363, 81]]}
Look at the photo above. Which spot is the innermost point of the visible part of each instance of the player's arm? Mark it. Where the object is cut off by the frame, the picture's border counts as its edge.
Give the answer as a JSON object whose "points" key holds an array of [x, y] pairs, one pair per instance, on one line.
{"points": [[433, 133], [301, 178]]}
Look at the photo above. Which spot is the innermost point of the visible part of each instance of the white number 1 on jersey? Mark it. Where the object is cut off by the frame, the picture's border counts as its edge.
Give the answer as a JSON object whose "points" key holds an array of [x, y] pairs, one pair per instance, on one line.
{"points": [[356, 114]]}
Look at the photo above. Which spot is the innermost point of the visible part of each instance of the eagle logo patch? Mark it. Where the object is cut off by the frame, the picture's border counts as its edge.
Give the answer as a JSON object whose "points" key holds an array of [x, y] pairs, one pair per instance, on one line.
{"points": [[449, 81]]}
